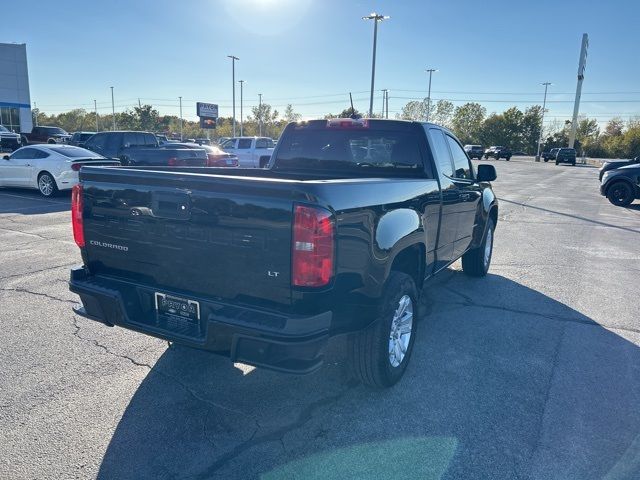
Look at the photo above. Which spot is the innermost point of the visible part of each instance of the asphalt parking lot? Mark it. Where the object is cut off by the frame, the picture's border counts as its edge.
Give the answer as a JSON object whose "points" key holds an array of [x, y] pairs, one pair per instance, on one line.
{"points": [[532, 372]]}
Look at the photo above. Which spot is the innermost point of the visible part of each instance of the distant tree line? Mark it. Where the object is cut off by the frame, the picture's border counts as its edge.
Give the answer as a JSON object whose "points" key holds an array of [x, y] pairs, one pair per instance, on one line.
{"points": [[521, 130], [514, 128]]}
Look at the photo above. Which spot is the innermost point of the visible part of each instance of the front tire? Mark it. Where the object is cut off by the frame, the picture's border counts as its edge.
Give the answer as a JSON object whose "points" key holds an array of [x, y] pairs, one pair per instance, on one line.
{"points": [[546, 160], [51, 141], [379, 354], [476, 262], [620, 194], [47, 185]]}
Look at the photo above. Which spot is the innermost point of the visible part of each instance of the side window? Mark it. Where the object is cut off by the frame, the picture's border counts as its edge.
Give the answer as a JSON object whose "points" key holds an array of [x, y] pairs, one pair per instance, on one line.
{"points": [[244, 143], [96, 142], [40, 154], [441, 152], [150, 140], [113, 143], [132, 139], [23, 153], [261, 143], [460, 160]]}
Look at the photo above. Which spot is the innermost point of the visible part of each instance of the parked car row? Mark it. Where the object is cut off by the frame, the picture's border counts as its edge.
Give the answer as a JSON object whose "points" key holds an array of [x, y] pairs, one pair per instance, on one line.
{"points": [[48, 168]]}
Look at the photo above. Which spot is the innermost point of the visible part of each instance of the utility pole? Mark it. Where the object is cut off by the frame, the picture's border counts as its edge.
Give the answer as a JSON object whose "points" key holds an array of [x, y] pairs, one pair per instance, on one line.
{"points": [[181, 136], [113, 110], [384, 98], [430, 70], [260, 111], [387, 103], [95, 110], [376, 18], [233, 80], [241, 82], [544, 104], [576, 107]]}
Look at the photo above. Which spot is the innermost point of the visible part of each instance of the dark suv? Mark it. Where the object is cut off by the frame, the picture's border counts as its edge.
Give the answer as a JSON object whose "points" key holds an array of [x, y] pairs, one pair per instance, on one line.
{"points": [[474, 151], [566, 155], [498, 152]]}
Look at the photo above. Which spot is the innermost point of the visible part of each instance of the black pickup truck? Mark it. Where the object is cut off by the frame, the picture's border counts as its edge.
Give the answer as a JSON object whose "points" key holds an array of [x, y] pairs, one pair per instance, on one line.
{"points": [[335, 237], [142, 149]]}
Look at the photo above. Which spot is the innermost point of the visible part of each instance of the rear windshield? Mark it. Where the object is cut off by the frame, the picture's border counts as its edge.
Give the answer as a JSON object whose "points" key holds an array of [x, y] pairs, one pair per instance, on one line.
{"points": [[74, 152], [361, 150], [567, 150]]}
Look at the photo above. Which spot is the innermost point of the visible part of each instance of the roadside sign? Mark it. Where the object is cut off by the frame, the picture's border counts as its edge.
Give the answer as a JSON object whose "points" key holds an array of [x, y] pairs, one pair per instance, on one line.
{"points": [[207, 123], [207, 110]]}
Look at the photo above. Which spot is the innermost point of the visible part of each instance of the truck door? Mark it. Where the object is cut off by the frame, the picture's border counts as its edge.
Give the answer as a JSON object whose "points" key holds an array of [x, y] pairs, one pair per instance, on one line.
{"points": [[245, 152], [469, 193], [450, 199]]}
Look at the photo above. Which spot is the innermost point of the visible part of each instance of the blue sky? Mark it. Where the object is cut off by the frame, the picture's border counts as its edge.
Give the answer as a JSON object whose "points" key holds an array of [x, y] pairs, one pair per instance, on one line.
{"points": [[310, 53]]}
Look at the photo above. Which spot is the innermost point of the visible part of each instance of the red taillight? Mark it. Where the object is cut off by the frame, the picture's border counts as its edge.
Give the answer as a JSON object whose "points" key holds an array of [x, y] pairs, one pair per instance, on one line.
{"points": [[76, 215], [312, 249], [172, 162], [76, 167]]}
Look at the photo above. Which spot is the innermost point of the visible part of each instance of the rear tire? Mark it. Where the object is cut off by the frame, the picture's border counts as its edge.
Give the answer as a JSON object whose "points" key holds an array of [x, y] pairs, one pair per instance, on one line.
{"points": [[557, 162], [47, 185], [620, 194], [379, 354], [507, 158], [546, 160], [476, 262]]}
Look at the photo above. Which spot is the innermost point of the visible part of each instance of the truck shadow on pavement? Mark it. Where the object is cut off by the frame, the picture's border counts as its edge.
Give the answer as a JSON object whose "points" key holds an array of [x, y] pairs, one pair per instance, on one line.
{"points": [[505, 382], [31, 202]]}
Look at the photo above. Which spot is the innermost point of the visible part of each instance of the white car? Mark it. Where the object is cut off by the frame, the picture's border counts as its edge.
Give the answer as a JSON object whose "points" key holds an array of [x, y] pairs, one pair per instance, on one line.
{"points": [[252, 152], [48, 168]]}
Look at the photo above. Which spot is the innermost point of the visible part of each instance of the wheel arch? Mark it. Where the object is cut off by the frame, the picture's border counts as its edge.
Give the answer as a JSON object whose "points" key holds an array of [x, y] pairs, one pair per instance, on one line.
{"points": [[412, 261]]}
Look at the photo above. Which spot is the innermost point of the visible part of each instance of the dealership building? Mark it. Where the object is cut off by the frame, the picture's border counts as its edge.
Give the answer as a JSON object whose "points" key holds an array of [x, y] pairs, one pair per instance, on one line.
{"points": [[15, 102]]}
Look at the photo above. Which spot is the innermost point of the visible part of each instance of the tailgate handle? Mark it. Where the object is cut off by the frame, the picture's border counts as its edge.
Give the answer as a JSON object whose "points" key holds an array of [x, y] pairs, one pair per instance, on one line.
{"points": [[175, 206]]}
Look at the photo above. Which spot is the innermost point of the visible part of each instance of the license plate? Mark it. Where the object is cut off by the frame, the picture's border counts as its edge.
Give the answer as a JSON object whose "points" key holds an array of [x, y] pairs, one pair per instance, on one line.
{"points": [[176, 307]]}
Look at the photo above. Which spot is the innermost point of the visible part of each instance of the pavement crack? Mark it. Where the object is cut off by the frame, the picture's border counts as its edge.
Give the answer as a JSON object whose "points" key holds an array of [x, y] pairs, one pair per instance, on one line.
{"points": [[554, 367], [276, 435], [33, 272], [39, 294], [469, 302]]}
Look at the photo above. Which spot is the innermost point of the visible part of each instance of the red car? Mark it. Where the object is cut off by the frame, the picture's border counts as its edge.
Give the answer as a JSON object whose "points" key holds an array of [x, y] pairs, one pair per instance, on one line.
{"points": [[215, 155]]}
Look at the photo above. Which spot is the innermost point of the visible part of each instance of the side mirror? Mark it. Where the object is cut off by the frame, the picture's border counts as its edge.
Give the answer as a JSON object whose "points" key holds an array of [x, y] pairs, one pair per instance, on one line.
{"points": [[486, 173], [6, 157], [636, 160]]}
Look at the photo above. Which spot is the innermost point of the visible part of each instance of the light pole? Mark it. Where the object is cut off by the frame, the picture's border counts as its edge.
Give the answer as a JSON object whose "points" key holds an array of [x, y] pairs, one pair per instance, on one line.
{"points": [[113, 110], [95, 110], [35, 107], [233, 80], [384, 98], [430, 70], [241, 82], [387, 104], [181, 136], [376, 18], [544, 104], [260, 112]]}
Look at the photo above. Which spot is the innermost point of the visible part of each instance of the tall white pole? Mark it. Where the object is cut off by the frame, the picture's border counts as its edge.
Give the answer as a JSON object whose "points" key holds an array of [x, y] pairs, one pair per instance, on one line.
{"points": [[544, 104], [95, 110], [113, 110], [386, 94], [576, 106], [233, 80], [260, 111], [35, 107], [241, 122], [430, 70], [181, 136], [376, 18]]}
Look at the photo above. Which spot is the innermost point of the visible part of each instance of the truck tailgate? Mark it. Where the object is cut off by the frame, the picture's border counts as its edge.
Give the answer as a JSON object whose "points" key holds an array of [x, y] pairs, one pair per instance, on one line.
{"points": [[222, 237]]}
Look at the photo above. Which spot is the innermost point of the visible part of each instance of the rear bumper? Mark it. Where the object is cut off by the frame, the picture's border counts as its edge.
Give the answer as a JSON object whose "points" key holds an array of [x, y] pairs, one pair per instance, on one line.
{"points": [[287, 343]]}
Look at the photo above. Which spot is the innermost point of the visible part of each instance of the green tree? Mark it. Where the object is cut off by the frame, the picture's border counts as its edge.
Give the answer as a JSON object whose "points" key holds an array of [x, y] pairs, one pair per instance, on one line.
{"points": [[291, 116], [467, 122], [441, 113]]}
